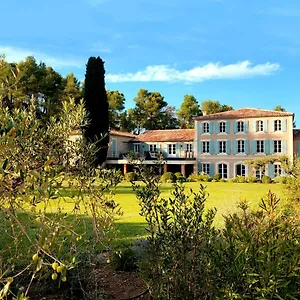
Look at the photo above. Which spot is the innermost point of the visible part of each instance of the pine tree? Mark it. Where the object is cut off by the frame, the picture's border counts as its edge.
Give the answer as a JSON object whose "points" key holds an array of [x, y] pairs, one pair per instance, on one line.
{"points": [[97, 107]]}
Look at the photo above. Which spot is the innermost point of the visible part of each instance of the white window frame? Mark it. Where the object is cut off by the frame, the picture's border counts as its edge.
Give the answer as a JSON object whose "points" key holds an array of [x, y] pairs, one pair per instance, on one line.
{"points": [[260, 145], [277, 146], [277, 125], [277, 172], [206, 168], [244, 172], [260, 126], [222, 147], [240, 147], [136, 148], [152, 147], [189, 147], [259, 174], [222, 127], [171, 150], [222, 173], [205, 147], [206, 127], [240, 126]]}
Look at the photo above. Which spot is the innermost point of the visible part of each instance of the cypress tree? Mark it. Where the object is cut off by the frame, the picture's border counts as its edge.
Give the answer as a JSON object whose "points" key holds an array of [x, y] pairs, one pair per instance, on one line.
{"points": [[97, 107]]}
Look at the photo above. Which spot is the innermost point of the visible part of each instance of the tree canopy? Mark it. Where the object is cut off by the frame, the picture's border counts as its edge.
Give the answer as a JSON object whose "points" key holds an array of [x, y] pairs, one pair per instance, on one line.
{"points": [[188, 109], [212, 106]]}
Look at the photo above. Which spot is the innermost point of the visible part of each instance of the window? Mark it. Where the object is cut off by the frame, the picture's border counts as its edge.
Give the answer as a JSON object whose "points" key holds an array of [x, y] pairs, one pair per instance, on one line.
{"points": [[223, 170], [240, 146], [277, 125], [259, 174], [222, 127], [240, 170], [189, 147], [277, 146], [205, 147], [277, 170], [259, 125], [172, 149], [152, 148], [136, 148], [240, 126], [206, 127], [222, 146], [205, 168], [260, 147]]}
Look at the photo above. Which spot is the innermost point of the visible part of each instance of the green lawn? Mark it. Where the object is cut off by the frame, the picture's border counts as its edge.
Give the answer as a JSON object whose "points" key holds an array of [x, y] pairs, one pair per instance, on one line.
{"points": [[223, 196]]}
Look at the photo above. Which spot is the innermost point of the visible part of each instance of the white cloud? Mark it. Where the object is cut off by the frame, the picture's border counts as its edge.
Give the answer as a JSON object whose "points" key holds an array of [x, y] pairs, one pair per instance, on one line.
{"points": [[210, 71], [14, 54]]}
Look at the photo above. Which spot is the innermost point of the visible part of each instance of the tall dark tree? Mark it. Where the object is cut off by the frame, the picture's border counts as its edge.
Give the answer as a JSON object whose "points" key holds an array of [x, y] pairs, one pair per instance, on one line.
{"points": [[188, 109], [96, 104]]}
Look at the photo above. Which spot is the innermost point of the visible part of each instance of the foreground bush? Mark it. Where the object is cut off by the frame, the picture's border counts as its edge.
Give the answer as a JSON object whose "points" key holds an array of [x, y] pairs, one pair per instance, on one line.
{"points": [[130, 176], [168, 177]]}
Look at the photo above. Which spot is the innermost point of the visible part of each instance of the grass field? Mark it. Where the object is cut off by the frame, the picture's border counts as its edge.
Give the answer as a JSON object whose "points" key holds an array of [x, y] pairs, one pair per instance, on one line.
{"points": [[223, 196]]}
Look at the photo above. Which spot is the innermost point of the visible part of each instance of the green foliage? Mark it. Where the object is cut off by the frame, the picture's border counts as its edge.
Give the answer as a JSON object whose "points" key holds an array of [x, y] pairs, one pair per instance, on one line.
{"points": [[178, 175], [258, 254], [222, 180], [213, 106], [217, 177], [202, 177], [240, 179], [96, 104], [188, 109], [168, 177], [251, 179], [116, 105], [130, 176], [124, 260], [177, 263], [266, 179]]}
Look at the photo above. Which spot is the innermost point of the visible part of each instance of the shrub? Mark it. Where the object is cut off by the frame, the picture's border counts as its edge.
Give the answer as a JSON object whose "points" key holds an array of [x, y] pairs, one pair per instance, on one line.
{"points": [[124, 260], [168, 177], [241, 179], [193, 178], [283, 179], [222, 180], [130, 176], [217, 177], [266, 179], [202, 177], [232, 180], [251, 179], [178, 175]]}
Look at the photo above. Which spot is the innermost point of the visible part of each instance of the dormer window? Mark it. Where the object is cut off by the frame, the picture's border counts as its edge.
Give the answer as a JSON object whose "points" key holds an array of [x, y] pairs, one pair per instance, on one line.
{"points": [[259, 126], [240, 126], [206, 127], [277, 125]]}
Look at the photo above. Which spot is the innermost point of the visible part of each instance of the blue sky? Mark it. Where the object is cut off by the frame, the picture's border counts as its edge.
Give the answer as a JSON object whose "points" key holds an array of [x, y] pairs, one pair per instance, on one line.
{"points": [[241, 53]]}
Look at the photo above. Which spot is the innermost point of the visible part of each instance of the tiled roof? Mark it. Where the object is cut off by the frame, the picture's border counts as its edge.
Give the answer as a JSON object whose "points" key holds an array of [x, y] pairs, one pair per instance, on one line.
{"points": [[296, 133], [167, 135], [245, 113], [122, 133]]}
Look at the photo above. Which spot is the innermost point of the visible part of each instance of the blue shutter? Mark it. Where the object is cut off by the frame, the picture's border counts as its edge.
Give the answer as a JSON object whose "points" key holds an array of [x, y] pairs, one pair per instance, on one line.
{"points": [[246, 126], [254, 147], [216, 147], [227, 126], [271, 143], [146, 147], [211, 170], [283, 147], [200, 128], [199, 167], [234, 147], [247, 147], [265, 125], [165, 152], [271, 170], [200, 147], [177, 150], [254, 126], [228, 147], [272, 125], [267, 145], [283, 125], [217, 127], [234, 127], [210, 127]]}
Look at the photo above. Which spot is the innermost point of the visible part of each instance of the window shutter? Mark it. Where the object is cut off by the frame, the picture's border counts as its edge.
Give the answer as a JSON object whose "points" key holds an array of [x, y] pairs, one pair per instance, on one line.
{"points": [[211, 148], [272, 125], [217, 147], [234, 147], [235, 127], [217, 127], [228, 147], [200, 145], [267, 146], [247, 147], [199, 167], [254, 147], [283, 125], [210, 127], [271, 170], [283, 147], [254, 129], [211, 170], [200, 128], [246, 126], [271, 147], [177, 150], [227, 125], [146, 147], [265, 125]]}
